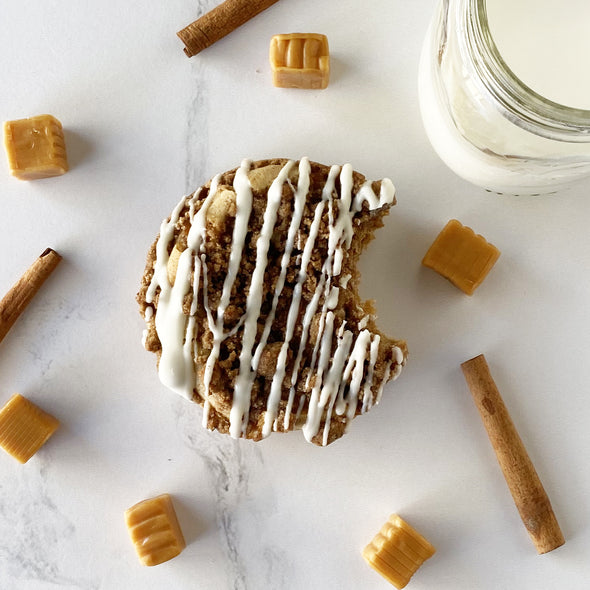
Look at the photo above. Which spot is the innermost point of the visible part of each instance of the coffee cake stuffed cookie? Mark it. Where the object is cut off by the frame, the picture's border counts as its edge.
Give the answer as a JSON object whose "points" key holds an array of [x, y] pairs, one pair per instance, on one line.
{"points": [[250, 296]]}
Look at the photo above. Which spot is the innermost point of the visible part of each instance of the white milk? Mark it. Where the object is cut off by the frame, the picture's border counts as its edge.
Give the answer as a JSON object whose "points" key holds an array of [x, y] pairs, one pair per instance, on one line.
{"points": [[467, 127], [546, 43]]}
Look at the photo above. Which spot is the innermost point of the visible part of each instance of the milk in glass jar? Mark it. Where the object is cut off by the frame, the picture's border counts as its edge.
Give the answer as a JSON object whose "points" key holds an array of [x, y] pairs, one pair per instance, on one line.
{"points": [[505, 92]]}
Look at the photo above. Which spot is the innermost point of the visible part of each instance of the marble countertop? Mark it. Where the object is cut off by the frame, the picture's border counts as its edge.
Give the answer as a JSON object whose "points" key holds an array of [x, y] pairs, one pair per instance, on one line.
{"points": [[144, 125]]}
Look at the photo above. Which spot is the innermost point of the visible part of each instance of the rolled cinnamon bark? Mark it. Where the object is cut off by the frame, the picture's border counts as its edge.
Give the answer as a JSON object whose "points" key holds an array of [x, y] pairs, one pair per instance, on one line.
{"points": [[21, 293], [525, 486], [219, 22]]}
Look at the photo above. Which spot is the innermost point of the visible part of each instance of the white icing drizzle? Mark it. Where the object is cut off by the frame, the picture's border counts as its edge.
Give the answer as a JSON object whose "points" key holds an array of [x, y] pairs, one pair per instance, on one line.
{"points": [[174, 372], [374, 351], [328, 267], [342, 365], [331, 387], [316, 406], [344, 279], [292, 315], [243, 210], [242, 388], [366, 194], [276, 385]]}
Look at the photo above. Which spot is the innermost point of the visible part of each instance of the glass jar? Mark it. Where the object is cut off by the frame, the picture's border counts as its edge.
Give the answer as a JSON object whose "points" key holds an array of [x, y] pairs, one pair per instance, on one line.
{"points": [[484, 122]]}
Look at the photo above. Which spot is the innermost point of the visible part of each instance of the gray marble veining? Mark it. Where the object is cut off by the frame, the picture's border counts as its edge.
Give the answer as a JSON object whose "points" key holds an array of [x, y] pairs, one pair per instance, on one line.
{"points": [[197, 130], [237, 480], [34, 533], [228, 465]]}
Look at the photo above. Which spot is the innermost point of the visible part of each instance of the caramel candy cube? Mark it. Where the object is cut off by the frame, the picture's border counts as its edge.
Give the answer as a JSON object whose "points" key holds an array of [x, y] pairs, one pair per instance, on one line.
{"points": [[461, 256], [154, 530], [36, 147], [397, 551], [24, 427], [300, 60]]}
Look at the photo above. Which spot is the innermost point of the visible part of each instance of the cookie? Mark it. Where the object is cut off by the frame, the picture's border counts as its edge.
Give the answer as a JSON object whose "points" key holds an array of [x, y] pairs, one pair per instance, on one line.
{"points": [[250, 297]]}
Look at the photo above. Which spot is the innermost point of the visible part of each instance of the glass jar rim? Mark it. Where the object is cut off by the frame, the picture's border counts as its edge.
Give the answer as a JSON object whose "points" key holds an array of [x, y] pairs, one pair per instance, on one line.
{"points": [[520, 103]]}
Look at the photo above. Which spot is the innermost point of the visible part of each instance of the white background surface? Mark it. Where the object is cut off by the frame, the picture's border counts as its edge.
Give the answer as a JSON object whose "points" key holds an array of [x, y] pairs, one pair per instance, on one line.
{"points": [[145, 125]]}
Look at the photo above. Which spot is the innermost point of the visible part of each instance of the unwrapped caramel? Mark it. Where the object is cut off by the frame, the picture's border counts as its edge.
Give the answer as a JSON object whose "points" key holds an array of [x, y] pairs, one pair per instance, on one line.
{"points": [[24, 427], [461, 256], [35, 147], [154, 530], [300, 60], [397, 551]]}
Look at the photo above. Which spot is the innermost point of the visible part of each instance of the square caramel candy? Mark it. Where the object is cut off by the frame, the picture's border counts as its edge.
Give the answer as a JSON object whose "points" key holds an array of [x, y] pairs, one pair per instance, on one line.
{"points": [[397, 551], [24, 427], [154, 530], [461, 256], [36, 147], [300, 60]]}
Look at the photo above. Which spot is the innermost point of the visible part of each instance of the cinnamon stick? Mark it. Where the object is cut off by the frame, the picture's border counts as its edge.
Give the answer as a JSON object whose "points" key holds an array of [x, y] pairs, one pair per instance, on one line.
{"points": [[219, 22], [21, 293], [525, 486]]}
